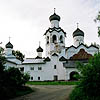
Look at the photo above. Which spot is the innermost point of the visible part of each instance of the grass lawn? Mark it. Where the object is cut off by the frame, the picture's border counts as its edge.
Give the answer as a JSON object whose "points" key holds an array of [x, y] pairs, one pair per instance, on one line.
{"points": [[53, 83]]}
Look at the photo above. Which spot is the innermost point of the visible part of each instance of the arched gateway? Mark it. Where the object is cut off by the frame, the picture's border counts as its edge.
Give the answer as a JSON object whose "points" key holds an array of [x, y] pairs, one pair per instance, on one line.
{"points": [[73, 75]]}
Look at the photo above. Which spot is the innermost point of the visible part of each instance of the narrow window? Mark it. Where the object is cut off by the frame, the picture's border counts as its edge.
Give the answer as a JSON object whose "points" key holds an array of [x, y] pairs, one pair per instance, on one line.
{"points": [[47, 39], [31, 78], [54, 66], [54, 39], [38, 78], [61, 39]]}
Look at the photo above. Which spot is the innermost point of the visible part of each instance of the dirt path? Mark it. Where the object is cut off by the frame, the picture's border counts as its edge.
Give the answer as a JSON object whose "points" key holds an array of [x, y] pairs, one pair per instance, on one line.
{"points": [[48, 92]]}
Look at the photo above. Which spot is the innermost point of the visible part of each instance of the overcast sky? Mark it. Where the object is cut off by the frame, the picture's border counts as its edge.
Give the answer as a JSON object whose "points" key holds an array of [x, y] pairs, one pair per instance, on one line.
{"points": [[25, 21]]}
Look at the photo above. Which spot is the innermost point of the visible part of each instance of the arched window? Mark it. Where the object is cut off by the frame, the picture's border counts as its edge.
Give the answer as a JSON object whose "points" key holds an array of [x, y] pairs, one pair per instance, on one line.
{"points": [[54, 39], [47, 39], [61, 39]]}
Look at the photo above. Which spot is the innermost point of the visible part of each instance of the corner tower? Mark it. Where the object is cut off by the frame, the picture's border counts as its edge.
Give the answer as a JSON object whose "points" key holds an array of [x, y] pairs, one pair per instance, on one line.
{"points": [[55, 36]]}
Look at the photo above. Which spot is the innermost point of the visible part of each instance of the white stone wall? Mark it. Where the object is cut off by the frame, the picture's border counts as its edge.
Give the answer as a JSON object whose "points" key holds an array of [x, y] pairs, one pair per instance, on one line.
{"points": [[39, 54], [48, 71], [68, 71], [78, 40], [54, 23], [8, 51]]}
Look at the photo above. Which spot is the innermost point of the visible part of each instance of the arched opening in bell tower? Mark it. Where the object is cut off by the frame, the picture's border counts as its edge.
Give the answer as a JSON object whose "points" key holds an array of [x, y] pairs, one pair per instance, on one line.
{"points": [[47, 39], [54, 39], [61, 39]]}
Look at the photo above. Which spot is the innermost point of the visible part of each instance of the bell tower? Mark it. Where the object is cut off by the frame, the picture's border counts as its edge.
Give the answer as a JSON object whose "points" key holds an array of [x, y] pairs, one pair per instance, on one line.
{"points": [[54, 36]]}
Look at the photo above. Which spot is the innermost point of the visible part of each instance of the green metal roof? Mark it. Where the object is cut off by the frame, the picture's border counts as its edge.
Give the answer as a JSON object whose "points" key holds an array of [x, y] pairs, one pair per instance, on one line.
{"points": [[9, 45], [54, 17], [78, 32]]}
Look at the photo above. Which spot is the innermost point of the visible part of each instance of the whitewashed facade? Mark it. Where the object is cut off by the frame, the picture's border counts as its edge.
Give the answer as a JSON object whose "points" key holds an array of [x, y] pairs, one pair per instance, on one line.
{"points": [[59, 62]]}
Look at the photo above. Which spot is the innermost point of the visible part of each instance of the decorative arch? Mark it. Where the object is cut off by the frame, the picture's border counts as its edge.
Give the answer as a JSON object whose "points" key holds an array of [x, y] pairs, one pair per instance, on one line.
{"points": [[73, 75], [61, 39], [54, 38]]}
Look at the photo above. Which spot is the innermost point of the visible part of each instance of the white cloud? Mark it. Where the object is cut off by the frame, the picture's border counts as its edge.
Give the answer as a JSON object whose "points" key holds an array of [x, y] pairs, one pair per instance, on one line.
{"points": [[27, 20]]}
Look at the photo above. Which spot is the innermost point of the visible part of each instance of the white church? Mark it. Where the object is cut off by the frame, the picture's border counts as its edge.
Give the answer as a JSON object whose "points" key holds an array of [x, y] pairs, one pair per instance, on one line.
{"points": [[60, 61]]}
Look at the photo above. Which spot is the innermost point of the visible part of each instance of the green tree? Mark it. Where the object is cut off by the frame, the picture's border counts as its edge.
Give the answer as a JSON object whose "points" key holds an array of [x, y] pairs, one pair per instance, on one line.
{"points": [[11, 80], [98, 20], [2, 74], [17, 79], [98, 17], [89, 87], [18, 55]]}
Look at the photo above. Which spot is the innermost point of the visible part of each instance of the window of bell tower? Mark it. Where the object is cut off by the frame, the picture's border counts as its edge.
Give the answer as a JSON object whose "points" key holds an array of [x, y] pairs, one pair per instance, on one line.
{"points": [[54, 39], [47, 39], [61, 39]]}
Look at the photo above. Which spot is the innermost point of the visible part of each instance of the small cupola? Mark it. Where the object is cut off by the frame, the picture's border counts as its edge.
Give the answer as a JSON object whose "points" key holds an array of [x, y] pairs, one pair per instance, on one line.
{"points": [[78, 32], [54, 17], [9, 45], [39, 49], [54, 20], [78, 37]]}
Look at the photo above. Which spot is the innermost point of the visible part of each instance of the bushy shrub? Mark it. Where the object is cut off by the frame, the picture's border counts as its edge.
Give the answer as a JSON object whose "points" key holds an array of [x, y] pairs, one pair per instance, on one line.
{"points": [[89, 87], [11, 80]]}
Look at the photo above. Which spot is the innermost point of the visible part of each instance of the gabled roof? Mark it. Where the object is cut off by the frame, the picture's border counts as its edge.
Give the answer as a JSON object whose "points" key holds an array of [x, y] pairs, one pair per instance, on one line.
{"points": [[38, 57], [54, 54], [83, 45], [33, 61], [55, 29], [82, 54], [62, 59], [11, 61]]}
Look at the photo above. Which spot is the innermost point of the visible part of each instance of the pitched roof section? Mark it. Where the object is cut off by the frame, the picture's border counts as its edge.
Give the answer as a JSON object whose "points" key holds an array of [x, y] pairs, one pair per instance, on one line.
{"points": [[38, 57], [82, 54], [55, 29], [54, 54], [62, 59], [83, 45]]}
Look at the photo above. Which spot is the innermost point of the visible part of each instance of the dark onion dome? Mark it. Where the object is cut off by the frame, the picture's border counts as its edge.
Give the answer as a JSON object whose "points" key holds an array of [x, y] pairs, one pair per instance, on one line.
{"points": [[78, 32], [54, 17], [9, 45], [39, 49]]}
